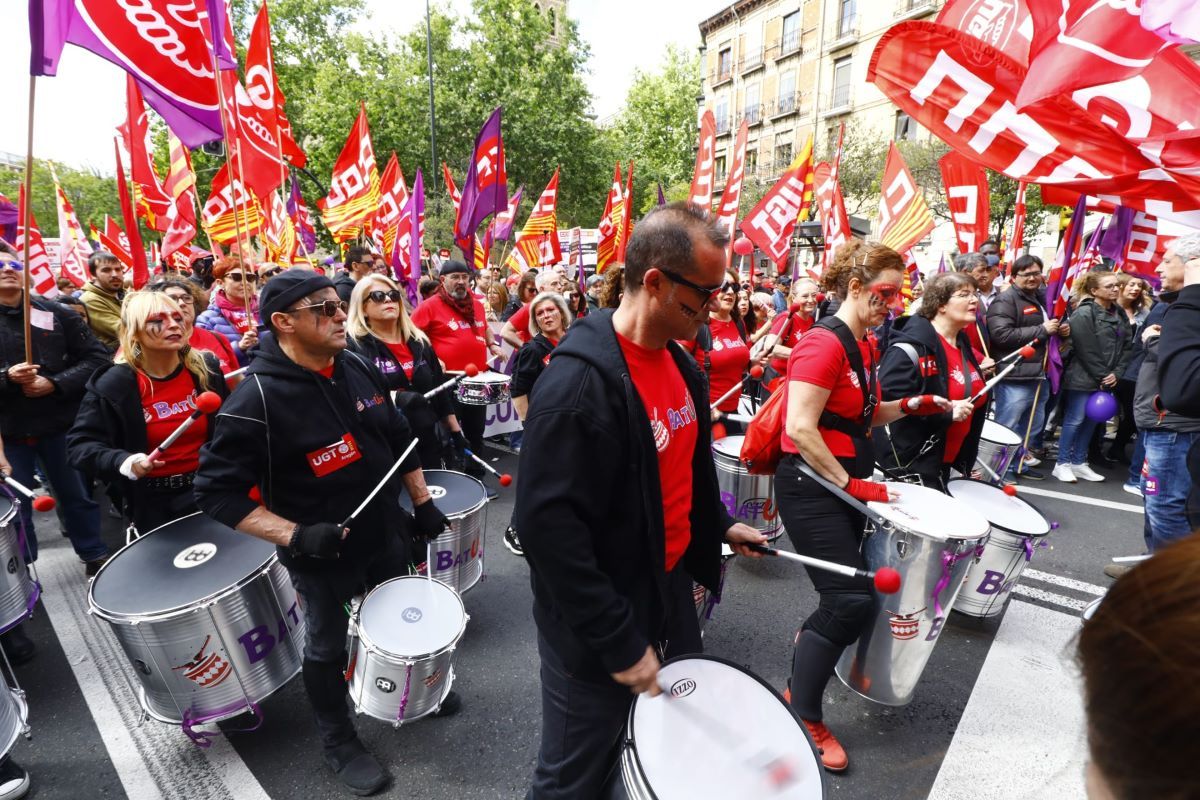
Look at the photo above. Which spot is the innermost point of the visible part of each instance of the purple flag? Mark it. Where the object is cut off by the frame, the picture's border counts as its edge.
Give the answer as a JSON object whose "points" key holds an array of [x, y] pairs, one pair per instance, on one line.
{"points": [[179, 84], [217, 21], [942, 265], [8, 219], [414, 209], [1066, 252], [304, 228], [1116, 237], [485, 190], [502, 225], [662, 200]]}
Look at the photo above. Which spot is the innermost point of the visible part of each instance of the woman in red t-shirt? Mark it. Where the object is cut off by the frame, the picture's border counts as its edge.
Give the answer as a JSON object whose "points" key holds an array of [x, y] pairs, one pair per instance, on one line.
{"points": [[931, 354], [728, 355], [831, 397], [379, 329], [788, 327], [134, 404]]}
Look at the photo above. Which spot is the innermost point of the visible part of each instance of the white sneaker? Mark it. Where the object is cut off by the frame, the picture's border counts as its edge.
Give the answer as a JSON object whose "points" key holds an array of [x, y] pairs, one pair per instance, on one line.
{"points": [[1064, 473], [1133, 488], [1032, 461], [1086, 472]]}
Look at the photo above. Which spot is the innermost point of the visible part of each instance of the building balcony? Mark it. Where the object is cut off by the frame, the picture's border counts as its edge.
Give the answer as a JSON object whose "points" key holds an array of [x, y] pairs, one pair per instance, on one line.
{"points": [[914, 9], [786, 105], [752, 61], [840, 101], [753, 114], [724, 124], [789, 45], [843, 33], [719, 77]]}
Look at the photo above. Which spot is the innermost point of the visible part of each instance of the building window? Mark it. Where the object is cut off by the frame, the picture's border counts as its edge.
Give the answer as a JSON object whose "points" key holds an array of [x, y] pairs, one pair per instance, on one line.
{"points": [[753, 109], [846, 16], [553, 20], [906, 128], [783, 151], [841, 83], [719, 168], [721, 115], [724, 64], [787, 93], [752, 161], [790, 41]]}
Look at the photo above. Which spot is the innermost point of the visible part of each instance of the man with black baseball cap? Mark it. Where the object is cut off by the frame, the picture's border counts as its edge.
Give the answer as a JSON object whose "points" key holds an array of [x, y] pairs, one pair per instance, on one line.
{"points": [[294, 450]]}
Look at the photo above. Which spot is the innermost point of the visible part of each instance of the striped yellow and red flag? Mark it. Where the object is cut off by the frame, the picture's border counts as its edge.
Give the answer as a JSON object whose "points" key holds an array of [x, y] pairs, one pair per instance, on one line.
{"points": [[809, 175], [226, 198], [608, 249], [181, 186], [904, 217], [537, 244], [354, 189]]}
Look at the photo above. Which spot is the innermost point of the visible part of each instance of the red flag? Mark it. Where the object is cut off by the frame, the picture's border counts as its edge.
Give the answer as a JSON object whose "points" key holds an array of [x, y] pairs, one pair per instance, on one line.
{"points": [[278, 233], [727, 209], [904, 217], [253, 142], [607, 249], [227, 198], [393, 194], [354, 189], [770, 223], [1018, 240], [835, 223], [114, 240], [181, 186], [41, 277], [537, 244], [74, 246], [1146, 246], [702, 176], [262, 87], [968, 199], [141, 273], [626, 218], [154, 204]]}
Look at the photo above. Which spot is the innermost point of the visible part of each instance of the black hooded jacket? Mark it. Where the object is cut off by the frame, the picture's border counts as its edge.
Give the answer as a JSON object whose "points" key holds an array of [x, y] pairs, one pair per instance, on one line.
{"points": [[532, 360], [589, 504], [271, 434], [421, 414], [898, 446]]}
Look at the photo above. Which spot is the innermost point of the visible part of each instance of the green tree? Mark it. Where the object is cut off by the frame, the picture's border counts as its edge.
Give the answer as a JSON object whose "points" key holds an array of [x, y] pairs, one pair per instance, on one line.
{"points": [[91, 194]]}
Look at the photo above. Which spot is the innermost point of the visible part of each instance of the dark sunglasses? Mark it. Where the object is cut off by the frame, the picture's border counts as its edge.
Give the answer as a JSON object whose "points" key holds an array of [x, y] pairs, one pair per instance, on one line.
{"points": [[707, 293], [380, 297], [15, 266], [269, 273], [729, 286], [328, 308], [239, 277]]}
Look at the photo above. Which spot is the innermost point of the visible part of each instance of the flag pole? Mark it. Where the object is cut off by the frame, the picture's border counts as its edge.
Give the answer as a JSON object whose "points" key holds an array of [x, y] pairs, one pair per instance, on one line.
{"points": [[27, 215], [234, 181]]}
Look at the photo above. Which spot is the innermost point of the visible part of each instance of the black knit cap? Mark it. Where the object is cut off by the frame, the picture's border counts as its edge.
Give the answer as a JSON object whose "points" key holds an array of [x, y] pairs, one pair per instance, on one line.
{"points": [[287, 287], [451, 266]]}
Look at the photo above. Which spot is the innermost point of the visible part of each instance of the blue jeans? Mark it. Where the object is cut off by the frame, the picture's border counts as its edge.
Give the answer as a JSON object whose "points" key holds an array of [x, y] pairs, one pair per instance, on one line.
{"points": [[79, 512], [1077, 428], [1014, 403], [1135, 461], [1166, 485]]}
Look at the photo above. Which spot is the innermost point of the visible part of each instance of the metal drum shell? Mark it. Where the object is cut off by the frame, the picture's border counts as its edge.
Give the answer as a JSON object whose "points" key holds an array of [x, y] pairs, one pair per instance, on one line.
{"points": [[17, 586], [995, 454], [156, 643], [14, 718], [748, 498], [485, 389], [706, 601], [464, 537], [1004, 553]]}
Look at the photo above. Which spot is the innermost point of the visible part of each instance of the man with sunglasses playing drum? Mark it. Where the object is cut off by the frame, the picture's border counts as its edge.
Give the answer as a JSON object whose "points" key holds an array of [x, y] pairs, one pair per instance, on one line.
{"points": [[615, 535], [296, 447]]}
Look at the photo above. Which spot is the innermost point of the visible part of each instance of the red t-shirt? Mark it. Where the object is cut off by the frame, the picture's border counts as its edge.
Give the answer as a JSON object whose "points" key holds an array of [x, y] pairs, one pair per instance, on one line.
{"points": [[798, 327], [956, 381], [818, 358], [165, 404], [673, 426], [216, 344], [730, 356], [520, 321], [453, 339], [403, 356]]}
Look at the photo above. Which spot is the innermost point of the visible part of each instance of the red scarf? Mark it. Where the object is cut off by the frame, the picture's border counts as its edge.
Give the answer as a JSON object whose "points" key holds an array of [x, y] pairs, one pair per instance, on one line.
{"points": [[235, 313], [464, 307]]}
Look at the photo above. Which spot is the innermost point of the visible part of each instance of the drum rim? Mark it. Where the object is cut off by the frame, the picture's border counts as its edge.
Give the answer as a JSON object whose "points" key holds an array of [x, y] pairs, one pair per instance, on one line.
{"points": [[396, 658], [11, 514], [457, 515], [484, 378], [1002, 427], [1005, 528], [176, 611], [629, 740], [18, 697], [899, 527]]}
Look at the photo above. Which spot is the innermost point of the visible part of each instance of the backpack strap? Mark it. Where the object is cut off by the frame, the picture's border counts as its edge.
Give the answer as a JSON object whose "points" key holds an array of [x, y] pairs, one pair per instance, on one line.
{"points": [[855, 428]]}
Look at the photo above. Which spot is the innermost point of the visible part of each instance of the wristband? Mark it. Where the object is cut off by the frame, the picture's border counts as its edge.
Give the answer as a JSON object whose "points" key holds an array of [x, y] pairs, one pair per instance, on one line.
{"points": [[866, 491], [926, 405]]}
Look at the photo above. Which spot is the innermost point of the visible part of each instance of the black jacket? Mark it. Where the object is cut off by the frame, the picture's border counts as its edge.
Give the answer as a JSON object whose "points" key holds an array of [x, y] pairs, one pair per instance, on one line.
{"points": [[532, 359], [1101, 343], [111, 427], [68, 355], [344, 284], [898, 446], [589, 504], [278, 422], [1014, 319], [1153, 317], [422, 414], [1179, 355]]}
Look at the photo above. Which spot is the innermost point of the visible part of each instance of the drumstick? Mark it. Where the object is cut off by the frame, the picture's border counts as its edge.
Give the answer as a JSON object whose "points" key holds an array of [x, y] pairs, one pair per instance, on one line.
{"points": [[755, 372], [206, 403], [235, 373], [505, 479], [739, 418], [42, 502], [1025, 352], [470, 372], [887, 580], [378, 486]]}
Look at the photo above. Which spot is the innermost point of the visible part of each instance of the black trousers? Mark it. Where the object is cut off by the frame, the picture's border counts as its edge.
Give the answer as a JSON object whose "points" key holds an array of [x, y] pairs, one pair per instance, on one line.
{"points": [[155, 509], [472, 419], [583, 716]]}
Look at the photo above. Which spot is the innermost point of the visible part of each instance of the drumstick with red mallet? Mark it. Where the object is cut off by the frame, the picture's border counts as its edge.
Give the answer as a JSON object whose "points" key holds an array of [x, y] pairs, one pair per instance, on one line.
{"points": [[505, 479], [206, 403], [40, 502], [887, 580], [1025, 352], [470, 371]]}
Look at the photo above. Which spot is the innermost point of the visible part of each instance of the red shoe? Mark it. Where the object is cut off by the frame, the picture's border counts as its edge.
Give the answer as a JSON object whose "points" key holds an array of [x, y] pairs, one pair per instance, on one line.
{"points": [[833, 756]]}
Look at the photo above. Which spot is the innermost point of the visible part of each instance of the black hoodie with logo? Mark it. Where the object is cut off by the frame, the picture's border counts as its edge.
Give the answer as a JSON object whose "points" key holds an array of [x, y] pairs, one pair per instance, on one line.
{"points": [[313, 447]]}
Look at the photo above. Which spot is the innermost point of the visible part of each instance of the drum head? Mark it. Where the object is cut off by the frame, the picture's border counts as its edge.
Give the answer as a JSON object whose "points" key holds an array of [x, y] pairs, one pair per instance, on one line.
{"points": [[730, 446], [490, 376], [176, 566], [411, 617], [930, 513], [704, 738], [995, 432], [454, 492], [1007, 513]]}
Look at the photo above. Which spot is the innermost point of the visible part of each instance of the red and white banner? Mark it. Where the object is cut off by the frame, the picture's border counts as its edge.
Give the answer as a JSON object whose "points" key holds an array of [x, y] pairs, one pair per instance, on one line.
{"points": [[153, 202], [181, 186], [262, 87], [354, 189], [253, 140], [731, 197], [114, 240], [1146, 246], [835, 223], [278, 233], [230, 207], [702, 176], [1018, 238], [968, 198], [393, 194], [41, 276], [904, 217], [607, 250], [771, 222], [74, 247]]}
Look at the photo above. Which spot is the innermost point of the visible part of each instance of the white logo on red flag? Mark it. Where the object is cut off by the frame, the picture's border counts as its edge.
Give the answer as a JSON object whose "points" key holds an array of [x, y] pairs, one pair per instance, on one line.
{"points": [[702, 176]]}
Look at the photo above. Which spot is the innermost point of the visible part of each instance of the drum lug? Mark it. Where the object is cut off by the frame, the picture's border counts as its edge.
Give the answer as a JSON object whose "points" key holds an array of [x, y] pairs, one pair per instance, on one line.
{"points": [[902, 547]]}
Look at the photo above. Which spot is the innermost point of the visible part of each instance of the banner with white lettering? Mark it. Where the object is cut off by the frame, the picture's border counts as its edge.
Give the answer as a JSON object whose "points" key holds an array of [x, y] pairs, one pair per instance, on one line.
{"points": [[968, 199]]}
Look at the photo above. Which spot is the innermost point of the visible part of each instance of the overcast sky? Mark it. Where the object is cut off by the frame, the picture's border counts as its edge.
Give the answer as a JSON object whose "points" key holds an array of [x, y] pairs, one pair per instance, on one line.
{"points": [[78, 110]]}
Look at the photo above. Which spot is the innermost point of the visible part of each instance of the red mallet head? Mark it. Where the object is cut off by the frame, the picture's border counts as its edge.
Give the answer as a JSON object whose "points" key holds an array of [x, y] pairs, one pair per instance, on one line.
{"points": [[208, 402], [887, 580], [718, 431], [1027, 351], [743, 246], [43, 503], [471, 370], [506, 479], [1010, 490], [820, 297], [794, 308], [756, 371]]}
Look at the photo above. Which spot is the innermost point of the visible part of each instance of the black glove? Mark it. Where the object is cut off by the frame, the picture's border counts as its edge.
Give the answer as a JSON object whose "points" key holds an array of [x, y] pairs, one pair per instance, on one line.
{"points": [[459, 441], [320, 540], [430, 521]]}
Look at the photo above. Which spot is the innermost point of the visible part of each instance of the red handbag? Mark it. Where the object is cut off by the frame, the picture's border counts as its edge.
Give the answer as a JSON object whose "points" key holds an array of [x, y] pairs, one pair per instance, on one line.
{"points": [[762, 447]]}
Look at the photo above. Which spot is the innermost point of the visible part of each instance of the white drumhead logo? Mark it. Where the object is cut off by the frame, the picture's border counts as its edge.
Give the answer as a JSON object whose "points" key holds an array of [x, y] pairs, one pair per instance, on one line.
{"points": [[195, 555], [683, 687], [436, 492]]}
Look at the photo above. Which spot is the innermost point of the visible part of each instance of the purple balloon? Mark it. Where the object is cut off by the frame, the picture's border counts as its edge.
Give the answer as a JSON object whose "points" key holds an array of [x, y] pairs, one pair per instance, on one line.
{"points": [[1101, 407]]}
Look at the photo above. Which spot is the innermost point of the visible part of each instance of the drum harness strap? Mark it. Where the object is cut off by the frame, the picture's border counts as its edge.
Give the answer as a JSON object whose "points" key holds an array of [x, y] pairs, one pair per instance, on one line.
{"points": [[929, 443]]}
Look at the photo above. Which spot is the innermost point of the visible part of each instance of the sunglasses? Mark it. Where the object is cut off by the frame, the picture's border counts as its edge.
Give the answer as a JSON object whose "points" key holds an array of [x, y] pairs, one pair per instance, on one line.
{"points": [[15, 266], [707, 293], [239, 277], [729, 286], [380, 297], [158, 320], [329, 308], [183, 300], [269, 273]]}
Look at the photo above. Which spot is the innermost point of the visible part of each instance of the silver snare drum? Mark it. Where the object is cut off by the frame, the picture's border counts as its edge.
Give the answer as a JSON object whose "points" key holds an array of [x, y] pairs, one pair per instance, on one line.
{"points": [[14, 718], [456, 556], [998, 446], [405, 631], [485, 389], [19, 590], [706, 601], [207, 617], [748, 498]]}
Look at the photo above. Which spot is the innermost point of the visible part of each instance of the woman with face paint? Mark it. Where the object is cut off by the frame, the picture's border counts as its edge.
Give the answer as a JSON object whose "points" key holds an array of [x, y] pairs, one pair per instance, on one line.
{"points": [[832, 401], [134, 404]]}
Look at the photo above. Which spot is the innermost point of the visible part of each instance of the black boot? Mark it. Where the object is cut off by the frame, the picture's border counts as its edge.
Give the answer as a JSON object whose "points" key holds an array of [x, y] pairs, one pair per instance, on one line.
{"points": [[17, 646], [357, 769], [813, 661]]}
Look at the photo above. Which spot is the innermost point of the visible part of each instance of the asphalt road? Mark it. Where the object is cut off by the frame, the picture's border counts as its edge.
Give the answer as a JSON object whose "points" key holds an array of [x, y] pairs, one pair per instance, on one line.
{"points": [[89, 738]]}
